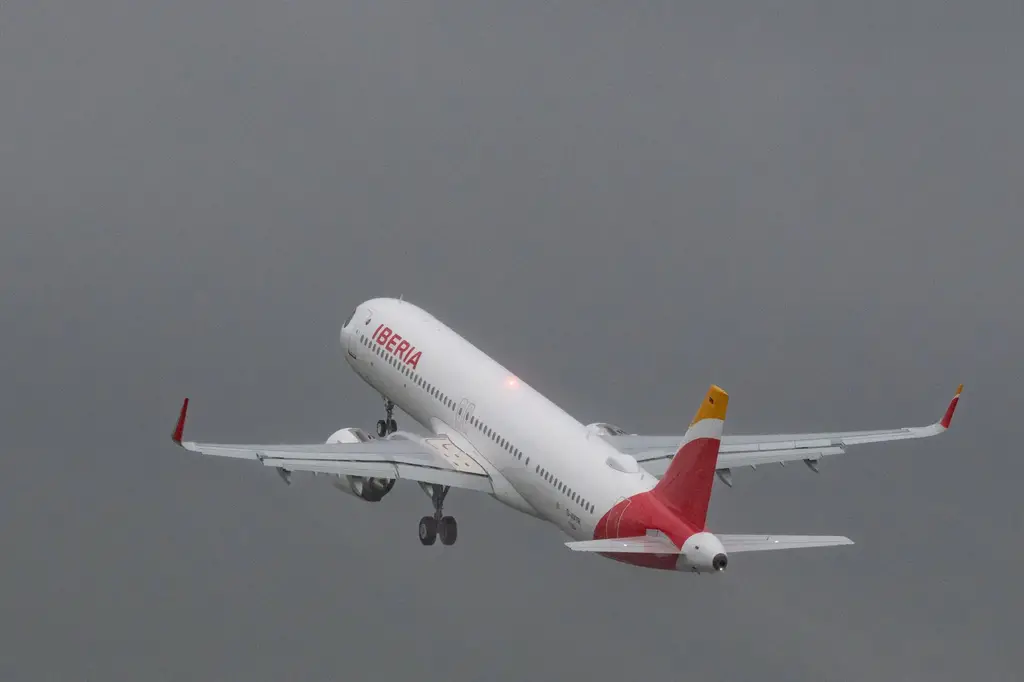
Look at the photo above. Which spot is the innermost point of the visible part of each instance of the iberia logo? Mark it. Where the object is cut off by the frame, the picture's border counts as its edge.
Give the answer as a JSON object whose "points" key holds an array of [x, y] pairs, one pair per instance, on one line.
{"points": [[396, 345]]}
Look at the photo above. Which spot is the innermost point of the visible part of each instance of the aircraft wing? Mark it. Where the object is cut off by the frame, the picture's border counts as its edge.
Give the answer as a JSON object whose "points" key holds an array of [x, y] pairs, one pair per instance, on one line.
{"points": [[400, 456], [655, 452]]}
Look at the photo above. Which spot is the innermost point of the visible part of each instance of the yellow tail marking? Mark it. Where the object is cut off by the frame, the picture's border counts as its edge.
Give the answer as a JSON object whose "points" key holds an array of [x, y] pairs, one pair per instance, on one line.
{"points": [[714, 406]]}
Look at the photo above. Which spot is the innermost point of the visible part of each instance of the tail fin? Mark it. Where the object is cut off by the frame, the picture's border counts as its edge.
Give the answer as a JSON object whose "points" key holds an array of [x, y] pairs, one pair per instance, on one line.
{"points": [[686, 485]]}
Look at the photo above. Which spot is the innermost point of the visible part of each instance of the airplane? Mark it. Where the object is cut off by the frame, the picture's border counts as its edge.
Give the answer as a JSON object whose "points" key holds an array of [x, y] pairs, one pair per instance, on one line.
{"points": [[638, 499]]}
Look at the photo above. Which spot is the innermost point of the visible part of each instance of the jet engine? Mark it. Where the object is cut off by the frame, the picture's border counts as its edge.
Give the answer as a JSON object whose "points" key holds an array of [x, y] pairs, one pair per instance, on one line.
{"points": [[369, 489]]}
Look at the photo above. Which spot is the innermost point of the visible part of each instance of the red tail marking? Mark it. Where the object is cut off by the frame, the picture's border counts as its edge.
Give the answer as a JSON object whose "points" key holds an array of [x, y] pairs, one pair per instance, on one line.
{"points": [[686, 486], [179, 430], [633, 517], [948, 417]]}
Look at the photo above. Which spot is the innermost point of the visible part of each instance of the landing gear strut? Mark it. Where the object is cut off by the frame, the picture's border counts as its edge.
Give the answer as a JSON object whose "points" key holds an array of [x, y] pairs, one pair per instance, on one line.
{"points": [[387, 425], [438, 524]]}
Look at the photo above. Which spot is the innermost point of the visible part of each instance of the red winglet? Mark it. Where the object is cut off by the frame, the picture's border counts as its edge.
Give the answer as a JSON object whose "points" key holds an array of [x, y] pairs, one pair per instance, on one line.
{"points": [[179, 430], [948, 417]]}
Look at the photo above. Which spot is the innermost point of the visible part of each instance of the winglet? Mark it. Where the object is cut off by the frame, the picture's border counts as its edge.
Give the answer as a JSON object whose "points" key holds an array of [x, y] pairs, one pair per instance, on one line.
{"points": [[948, 417], [179, 430]]}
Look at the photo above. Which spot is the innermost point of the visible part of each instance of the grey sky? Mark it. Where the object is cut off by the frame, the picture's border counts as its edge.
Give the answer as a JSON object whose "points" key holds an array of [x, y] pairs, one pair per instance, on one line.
{"points": [[816, 205]]}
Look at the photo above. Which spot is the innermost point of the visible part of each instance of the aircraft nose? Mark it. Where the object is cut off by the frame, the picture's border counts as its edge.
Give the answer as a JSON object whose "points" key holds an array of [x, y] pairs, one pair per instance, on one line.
{"points": [[346, 333]]}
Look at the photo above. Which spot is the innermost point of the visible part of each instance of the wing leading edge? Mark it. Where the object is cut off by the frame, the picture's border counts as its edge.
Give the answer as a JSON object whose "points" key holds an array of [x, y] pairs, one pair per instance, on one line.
{"points": [[400, 456], [655, 452]]}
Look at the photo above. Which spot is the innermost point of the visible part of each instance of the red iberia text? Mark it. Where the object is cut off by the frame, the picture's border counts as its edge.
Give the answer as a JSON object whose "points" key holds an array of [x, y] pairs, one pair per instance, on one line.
{"points": [[393, 343]]}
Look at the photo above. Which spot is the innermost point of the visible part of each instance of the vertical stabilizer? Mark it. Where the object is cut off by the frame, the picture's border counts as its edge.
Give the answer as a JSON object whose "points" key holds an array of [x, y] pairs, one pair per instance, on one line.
{"points": [[686, 485]]}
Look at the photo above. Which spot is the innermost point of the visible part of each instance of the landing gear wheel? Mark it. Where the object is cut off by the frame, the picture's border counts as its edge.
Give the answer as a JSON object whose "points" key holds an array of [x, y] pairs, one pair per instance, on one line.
{"points": [[428, 530], [449, 530], [387, 424]]}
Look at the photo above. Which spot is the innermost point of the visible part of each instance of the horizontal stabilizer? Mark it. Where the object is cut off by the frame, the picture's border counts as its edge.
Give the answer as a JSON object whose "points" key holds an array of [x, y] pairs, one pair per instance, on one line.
{"points": [[763, 543], [643, 544]]}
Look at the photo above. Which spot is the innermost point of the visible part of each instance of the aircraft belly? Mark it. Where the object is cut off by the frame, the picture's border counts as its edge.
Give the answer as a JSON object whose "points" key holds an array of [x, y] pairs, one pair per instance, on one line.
{"points": [[527, 491]]}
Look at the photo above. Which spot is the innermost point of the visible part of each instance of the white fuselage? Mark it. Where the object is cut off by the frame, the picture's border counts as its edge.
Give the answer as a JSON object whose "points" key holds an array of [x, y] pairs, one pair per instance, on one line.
{"points": [[541, 460]]}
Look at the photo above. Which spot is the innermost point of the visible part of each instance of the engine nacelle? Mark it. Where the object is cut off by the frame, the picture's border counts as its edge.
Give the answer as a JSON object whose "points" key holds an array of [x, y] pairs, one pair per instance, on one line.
{"points": [[603, 429], [369, 489]]}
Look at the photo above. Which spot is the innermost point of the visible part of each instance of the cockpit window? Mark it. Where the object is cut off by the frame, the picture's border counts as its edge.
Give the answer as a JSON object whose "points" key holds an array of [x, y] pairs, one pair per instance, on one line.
{"points": [[349, 319]]}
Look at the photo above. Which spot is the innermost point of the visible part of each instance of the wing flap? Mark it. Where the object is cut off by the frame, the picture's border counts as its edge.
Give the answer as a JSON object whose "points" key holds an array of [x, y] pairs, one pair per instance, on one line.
{"points": [[659, 465], [439, 476]]}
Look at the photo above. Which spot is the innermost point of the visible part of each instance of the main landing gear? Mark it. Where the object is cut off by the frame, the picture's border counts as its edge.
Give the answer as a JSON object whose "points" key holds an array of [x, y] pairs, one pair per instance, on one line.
{"points": [[387, 425], [438, 524]]}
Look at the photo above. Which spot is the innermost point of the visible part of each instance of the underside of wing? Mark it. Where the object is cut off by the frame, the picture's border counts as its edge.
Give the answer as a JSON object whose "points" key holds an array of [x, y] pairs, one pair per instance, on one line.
{"points": [[762, 543], [655, 452], [435, 460]]}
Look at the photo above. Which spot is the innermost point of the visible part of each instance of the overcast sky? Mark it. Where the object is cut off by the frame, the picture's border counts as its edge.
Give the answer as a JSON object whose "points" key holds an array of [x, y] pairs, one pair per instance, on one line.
{"points": [[816, 205]]}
